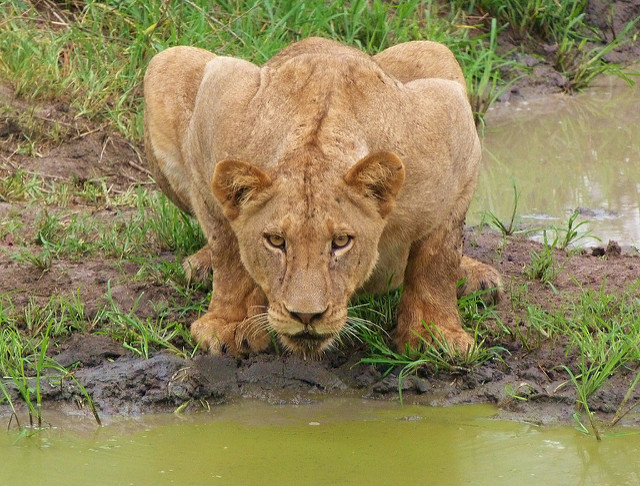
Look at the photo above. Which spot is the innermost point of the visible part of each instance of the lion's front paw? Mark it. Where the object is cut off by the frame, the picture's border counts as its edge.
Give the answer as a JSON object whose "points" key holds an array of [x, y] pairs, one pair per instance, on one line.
{"points": [[422, 322], [236, 338], [479, 277], [418, 336], [457, 340]]}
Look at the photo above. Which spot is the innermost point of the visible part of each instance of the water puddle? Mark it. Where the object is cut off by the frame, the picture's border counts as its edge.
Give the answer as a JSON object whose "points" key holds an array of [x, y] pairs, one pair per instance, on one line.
{"points": [[335, 442], [565, 153]]}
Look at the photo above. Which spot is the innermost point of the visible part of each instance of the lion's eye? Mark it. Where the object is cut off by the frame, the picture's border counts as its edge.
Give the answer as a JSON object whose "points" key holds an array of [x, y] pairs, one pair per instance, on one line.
{"points": [[340, 241], [277, 241]]}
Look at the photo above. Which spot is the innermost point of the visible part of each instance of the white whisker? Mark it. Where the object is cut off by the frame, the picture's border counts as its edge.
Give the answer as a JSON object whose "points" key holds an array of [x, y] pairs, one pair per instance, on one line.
{"points": [[355, 323]]}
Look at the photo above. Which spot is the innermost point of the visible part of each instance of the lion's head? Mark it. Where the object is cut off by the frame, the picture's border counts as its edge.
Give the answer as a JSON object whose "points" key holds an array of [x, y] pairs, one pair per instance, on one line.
{"points": [[309, 238]]}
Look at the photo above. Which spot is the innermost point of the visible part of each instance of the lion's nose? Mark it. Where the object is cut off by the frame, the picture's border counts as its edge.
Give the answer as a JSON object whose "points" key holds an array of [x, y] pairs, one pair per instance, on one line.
{"points": [[307, 318]]}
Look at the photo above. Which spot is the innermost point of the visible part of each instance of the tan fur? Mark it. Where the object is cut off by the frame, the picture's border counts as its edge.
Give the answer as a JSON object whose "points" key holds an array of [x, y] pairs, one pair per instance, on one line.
{"points": [[323, 173]]}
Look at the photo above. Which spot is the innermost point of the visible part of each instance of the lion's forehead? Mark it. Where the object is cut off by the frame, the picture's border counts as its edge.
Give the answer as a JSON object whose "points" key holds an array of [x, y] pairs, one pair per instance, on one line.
{"points": [[313, 222], [322, 199]]}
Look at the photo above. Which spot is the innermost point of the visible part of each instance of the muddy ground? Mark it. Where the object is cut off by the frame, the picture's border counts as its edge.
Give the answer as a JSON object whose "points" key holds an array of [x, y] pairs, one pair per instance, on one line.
{"points": [[608, 17], [122, 383]]}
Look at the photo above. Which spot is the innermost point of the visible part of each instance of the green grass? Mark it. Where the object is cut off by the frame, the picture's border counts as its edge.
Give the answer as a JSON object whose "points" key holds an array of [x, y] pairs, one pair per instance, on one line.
{"points": [[505, 228], [96, 57], [29, 129], [136, 226], [566, 240], [434, 354], [578, 57], [24, 363], [140, 336], [27, 334], [580, 47], [544, 264], [146, 222], [482, 66], [600, 335], [543, 19], [601, 330], [23, 186], [605, 334], [20, 186], [571, 235]]}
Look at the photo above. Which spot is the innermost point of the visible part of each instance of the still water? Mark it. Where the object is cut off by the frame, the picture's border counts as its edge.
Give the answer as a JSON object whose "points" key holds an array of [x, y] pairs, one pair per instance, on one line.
{"points": [[335, 442], [564, 153]]}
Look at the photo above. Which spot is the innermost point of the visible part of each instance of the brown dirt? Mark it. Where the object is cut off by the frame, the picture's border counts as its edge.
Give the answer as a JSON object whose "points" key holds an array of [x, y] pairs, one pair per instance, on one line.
{"points": [[121, 383]]}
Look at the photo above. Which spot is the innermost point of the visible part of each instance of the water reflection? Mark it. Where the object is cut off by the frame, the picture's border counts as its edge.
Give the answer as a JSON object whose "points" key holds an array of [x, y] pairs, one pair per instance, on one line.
{"points": [[351, 442], [565, 153]]}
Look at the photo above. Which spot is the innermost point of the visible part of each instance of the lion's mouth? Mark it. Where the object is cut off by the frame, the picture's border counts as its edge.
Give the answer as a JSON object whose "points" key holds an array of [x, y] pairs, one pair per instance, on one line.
{"points": [[309, 341]]}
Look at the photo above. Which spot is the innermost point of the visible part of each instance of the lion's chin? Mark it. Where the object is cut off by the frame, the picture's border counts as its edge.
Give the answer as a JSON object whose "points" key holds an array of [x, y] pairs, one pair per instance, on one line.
{"points": [[307, 344]]}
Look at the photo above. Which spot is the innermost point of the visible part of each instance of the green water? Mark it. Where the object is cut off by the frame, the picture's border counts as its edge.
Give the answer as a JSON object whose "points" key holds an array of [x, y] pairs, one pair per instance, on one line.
{"points": [[566, 152], [337, 442]]}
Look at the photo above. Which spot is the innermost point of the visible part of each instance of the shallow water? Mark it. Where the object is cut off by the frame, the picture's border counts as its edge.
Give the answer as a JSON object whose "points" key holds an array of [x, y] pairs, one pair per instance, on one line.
{"points": [[563, 153], [335, 442]]}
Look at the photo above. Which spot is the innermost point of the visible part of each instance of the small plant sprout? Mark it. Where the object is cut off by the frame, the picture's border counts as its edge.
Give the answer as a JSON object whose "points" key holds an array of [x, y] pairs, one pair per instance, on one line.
{"points": [[570, 236], [544, 266], [508, 228]]}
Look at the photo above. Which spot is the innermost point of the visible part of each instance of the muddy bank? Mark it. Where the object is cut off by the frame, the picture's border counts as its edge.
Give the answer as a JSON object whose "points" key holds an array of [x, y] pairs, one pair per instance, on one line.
{"points": [[121, 383], [537, 56]]}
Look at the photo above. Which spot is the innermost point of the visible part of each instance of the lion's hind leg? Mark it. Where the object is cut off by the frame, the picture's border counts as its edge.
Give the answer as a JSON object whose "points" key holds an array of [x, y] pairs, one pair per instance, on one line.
{"points": [[414, 60], [480, 277]]}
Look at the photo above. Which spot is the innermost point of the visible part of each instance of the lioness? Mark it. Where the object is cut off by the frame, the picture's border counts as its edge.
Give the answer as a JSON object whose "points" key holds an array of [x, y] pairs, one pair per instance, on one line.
{"points": [[323, 173]]}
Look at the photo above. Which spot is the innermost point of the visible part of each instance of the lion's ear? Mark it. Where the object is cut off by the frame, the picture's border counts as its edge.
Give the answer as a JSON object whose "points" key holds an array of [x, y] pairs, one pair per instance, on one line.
{"points": [[235, 183], [378, 176]]}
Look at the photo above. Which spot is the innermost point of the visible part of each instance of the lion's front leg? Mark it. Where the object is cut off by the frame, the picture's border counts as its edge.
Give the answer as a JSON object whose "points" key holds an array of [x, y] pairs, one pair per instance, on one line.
{"points": [[428, 308], [236, 321]]}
